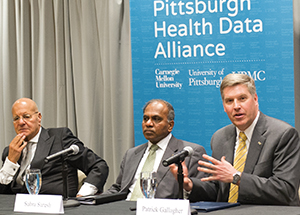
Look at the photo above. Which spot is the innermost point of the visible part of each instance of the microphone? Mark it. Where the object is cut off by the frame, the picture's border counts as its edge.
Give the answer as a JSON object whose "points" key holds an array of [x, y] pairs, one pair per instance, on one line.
{"points": [[72, 150], [180, 156]]}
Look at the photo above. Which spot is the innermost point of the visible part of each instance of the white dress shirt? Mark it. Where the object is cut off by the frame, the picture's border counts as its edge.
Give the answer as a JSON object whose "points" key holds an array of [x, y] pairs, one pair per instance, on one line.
{"points": [[9, 169], [248, 132], [159, 154]]}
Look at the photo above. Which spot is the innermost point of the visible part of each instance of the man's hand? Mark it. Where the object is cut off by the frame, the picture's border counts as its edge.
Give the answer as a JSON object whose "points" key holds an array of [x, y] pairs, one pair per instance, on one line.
{"points": [[15, 147], [220, 170], [187, 182]]}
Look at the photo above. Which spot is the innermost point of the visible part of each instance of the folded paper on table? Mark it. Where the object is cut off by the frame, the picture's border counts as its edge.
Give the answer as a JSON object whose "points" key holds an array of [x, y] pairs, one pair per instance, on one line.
{"points": [[163, 207], [212, 206], [101, 199], [41, 203]]}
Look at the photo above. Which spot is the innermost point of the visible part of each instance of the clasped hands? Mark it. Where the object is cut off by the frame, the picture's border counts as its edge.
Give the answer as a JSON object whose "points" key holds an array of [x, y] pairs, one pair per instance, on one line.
{"points": [[219, 170]]}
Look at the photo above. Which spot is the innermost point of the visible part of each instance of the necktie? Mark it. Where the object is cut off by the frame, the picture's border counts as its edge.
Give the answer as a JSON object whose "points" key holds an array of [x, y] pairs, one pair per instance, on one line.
{"points": [[239, 164], [148, 166], [27, 155]]}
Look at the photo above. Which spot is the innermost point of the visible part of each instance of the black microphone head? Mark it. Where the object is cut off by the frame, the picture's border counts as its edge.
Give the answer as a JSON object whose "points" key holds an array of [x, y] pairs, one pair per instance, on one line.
{"points": [[165, 163], [189, 149], [75, 149]]}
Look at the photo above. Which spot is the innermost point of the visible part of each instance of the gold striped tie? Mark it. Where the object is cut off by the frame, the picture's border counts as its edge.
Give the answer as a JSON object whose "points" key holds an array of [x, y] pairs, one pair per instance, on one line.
{"points": [[239, 164]]}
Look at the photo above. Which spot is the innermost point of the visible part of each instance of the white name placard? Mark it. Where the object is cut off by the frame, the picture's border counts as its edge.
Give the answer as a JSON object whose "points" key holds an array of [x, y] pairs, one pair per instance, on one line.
{"points": [[51, 204], [163, 207]]}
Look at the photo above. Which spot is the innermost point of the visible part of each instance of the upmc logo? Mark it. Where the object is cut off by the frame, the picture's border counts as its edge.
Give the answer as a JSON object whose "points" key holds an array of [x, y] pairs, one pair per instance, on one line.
{"points": [[256, 75]]}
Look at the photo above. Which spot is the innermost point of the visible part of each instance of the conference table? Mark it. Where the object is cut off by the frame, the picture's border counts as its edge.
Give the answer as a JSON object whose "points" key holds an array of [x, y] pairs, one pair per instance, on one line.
{"points": [[123, 208]]}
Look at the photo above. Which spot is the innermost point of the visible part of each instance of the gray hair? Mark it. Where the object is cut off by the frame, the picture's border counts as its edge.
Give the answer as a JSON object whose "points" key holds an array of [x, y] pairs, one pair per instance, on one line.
{"points": [[234, 79], [171, 114]]}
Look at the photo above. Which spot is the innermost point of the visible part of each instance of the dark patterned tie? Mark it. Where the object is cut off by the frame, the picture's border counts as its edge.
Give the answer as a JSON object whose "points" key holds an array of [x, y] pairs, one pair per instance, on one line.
{"points": [[27, 154]]}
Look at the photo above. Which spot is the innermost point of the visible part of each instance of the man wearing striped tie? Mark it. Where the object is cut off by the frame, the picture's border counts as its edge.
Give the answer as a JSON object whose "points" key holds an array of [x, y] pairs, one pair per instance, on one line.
{"points": [[255, 160]]}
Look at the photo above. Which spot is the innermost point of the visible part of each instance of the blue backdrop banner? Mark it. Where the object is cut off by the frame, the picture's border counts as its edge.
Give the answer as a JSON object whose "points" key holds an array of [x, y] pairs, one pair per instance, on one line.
{"points": [[182, 49]]}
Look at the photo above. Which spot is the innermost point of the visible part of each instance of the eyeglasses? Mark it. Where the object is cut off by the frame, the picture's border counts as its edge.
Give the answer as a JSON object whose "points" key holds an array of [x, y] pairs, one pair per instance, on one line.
{"points": [[26, 117]]}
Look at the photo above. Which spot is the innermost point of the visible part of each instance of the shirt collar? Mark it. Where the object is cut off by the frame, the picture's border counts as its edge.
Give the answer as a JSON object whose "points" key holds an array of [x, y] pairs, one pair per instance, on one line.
{"points": [[250, 129], [35, 139], [162, 143]]}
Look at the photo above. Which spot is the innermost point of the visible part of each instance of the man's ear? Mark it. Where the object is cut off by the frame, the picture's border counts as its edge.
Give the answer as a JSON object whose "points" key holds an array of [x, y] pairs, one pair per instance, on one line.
{"points": [[40, 117], [171, 125]]}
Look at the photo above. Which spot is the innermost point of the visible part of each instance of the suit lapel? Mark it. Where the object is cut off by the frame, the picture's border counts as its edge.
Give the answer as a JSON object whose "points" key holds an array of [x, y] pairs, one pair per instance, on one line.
{"points": [[172, 148], [256, 145], [133, 164], [228, 152], [229, 145], [42, 149]]}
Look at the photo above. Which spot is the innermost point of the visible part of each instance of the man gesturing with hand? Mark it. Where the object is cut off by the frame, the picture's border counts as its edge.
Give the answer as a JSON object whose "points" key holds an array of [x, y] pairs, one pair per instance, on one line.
{"points": [[255, 160]]}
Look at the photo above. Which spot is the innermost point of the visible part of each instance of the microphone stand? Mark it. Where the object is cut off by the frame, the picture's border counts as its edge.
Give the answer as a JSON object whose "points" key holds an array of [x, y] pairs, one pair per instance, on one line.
{"points": [[67, 202], [180, 179]]}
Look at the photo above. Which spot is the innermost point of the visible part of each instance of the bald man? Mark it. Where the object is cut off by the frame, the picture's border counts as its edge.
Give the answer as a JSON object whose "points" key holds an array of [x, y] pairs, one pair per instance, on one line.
{"points": [[45, 142]]}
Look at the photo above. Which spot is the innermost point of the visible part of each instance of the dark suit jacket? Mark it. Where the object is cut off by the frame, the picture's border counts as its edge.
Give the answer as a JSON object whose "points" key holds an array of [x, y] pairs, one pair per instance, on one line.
{"points": [[53, 140], [272, 169], [167, 185]]}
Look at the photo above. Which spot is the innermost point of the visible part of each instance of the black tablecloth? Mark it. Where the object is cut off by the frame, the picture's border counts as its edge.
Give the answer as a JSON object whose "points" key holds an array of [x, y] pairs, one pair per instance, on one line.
{"points": [[123, 208]]}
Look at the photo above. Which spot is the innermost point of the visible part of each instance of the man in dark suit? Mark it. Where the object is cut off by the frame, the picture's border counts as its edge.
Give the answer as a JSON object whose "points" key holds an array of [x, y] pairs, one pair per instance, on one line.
{"points": [[44, 142], [270, 174], [158, 122]]}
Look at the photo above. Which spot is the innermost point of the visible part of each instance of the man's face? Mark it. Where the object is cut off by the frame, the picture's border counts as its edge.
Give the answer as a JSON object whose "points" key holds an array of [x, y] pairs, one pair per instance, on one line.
{"points": [[26, 118], [155, 122], [240, 106]]}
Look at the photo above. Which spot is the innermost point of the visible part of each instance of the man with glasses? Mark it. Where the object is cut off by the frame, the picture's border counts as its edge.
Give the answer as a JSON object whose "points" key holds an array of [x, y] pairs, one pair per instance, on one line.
{"points": [[33, 144]]}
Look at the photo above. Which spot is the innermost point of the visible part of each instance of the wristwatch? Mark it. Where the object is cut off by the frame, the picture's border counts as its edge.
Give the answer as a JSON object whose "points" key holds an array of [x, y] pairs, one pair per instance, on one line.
{"points": [[236, 177]]}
